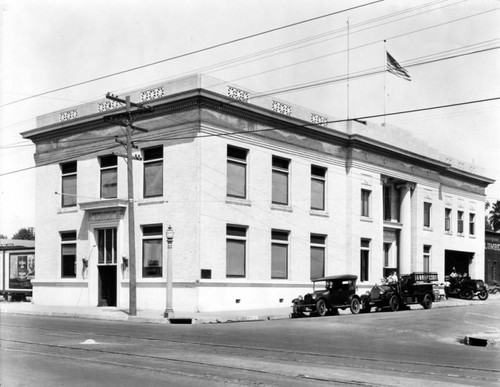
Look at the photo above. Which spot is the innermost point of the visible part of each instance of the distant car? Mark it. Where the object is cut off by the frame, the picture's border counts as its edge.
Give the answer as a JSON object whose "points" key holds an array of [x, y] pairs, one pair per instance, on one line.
{"points": [[329, 295], [415, 288], [466, 288]]}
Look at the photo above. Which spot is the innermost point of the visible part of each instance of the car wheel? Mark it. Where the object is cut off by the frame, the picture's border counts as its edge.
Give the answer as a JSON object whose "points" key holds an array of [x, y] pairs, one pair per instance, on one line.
{"points": [[355, 306], [483, 295], [394, 303], [427, 301], [321, 308], [467, 294]]}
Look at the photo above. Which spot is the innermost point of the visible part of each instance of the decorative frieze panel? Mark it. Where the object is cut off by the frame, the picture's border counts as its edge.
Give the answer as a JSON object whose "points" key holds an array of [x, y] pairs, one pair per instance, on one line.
{"points": [[240, 95], [448, 200], [320, 120], [149, 95], [108, 105], [461, 204], [106, 216], [282, 108], [68, 115]]}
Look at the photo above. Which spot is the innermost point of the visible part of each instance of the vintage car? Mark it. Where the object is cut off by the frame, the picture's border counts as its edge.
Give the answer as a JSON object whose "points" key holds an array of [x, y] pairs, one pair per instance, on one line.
{"points": [[415, 288], [466, 288], [329, 294]]}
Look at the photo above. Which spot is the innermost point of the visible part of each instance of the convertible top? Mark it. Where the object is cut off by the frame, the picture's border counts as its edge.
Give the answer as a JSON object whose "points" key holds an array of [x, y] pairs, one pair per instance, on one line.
{"points": [[336, 277]]}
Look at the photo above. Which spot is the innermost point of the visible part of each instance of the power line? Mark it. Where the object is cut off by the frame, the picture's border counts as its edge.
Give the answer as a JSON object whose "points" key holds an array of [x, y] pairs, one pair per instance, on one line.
{"points": [[193, 52]]}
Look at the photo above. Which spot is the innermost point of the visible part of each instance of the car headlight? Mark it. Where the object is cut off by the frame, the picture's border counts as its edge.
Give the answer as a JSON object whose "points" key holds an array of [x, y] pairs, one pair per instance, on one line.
{"points": [[486, 286], [301, 298]]}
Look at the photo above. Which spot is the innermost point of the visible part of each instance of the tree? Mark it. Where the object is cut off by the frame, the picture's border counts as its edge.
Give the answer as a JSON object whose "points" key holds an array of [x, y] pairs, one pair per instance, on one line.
{"points": [[3, 236], [25, 234], [495, 216], [487, 224]]}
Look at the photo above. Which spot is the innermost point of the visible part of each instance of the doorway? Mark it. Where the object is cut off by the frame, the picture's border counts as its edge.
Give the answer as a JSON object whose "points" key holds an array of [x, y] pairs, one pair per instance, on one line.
{"points": [[106, 248], [460, 260]]}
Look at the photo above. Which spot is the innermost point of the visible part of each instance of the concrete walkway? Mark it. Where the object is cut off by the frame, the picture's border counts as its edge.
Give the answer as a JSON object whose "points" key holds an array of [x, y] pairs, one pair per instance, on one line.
{"points": [[156, 316]]}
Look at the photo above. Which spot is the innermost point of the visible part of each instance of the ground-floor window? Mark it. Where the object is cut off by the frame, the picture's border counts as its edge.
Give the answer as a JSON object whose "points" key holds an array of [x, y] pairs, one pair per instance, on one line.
{"points": [[318, 246], [279, 254], [236, 240], [152, 251], [365, 259], [427, 258], [68, 254]]}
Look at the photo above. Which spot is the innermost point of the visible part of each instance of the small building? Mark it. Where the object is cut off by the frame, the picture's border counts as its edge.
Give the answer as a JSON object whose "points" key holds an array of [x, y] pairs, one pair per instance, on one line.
{"points": [[262, 195], [17, 269], [492, 258]]}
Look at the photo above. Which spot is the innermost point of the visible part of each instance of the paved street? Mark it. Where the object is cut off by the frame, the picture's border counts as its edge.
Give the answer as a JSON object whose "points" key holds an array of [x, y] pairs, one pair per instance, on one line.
{"points": [[415, 347]]}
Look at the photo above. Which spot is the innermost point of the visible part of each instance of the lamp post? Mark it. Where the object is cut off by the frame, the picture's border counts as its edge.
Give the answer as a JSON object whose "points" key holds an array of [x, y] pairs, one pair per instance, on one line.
{"points": [[169, 312]]}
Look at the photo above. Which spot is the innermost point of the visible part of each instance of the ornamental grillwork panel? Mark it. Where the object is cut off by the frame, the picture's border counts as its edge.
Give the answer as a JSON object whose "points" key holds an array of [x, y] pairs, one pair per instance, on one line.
{"points": [[149, 95], [320, 120], [68, 115], [282, 108], [107, 105], [238, 94]]}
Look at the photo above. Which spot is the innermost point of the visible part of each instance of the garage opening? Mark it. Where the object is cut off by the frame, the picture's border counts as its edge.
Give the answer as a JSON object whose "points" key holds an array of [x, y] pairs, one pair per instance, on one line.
{"points": [[460, 260]]}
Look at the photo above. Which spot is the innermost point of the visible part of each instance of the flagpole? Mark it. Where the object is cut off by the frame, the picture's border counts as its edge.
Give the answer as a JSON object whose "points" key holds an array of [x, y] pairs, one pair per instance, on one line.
{"points": [[347, 68], [385, 70]]}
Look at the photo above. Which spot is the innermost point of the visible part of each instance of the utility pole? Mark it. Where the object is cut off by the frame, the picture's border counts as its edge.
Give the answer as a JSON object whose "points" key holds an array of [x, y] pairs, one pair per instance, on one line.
{"points": [[126, 121]]}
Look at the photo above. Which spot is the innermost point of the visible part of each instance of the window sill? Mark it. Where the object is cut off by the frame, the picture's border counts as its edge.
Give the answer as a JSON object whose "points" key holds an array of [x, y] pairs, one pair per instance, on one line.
{"points": [[151, 201], [322, 214], [239, 202], [366, 219], [472, 236], [281, 207], [429, 229], [448, 233], [68, 210]]}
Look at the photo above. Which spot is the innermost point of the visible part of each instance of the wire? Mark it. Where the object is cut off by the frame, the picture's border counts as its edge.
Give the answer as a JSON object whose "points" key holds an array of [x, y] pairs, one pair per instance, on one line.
{"points": [[192, 52]]}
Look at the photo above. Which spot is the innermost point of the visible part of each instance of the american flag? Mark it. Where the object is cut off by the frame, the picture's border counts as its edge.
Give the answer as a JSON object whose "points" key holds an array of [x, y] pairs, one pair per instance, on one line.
{"points": [[395, 68]]}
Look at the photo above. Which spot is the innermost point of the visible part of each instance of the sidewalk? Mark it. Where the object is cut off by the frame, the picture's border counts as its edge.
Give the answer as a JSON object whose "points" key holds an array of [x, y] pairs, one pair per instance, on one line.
{"points": [[156, 316]]}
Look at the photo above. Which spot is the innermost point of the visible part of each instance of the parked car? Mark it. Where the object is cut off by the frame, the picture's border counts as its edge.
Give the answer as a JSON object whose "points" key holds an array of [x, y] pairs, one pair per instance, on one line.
{"points": [[466, 288], [328, 296], [415, 288]]}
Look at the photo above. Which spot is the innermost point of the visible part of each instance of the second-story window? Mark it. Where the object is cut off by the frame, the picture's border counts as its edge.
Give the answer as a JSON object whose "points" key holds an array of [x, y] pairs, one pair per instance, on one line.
{"points": [[472, 224], [365, 202], [236, 172], [447, 220], [427, 214], [109, 176], [318, 181], [153, 172], [68, 184], [280, 180], [460, 222]]}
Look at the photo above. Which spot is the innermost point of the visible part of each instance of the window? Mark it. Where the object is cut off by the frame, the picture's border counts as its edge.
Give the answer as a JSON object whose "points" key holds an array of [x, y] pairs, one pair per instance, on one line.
{"points": [[427, 258], [236, 240], [427, 214], [109, 176], [365, 202], [460, 222], [106, 246], [152, 251], [68, 184], [153, 172], [318, 245], [236, 172], [447, 220], [472, 224], [318, 180], [280, 180], [387, 192], [279, 254], [365, 259], [68, 254], [387, 254]]}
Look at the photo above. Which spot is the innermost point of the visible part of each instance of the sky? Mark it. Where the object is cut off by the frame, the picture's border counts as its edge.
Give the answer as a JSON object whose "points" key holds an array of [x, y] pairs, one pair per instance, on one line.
{"points": [[449, 47]]}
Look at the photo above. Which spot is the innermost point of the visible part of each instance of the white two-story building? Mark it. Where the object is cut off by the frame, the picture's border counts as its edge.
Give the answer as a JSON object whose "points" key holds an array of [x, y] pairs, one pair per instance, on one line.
{"points": [[262, 196]]}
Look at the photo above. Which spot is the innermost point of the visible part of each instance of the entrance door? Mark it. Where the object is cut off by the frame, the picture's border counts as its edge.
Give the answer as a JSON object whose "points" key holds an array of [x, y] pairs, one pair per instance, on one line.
{"points": [[106, 248], [460, 260]]}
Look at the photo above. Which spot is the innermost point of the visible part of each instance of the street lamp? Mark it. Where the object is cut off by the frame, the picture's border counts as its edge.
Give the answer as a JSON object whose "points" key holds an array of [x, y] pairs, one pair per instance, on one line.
{"points": [[169, 312]]}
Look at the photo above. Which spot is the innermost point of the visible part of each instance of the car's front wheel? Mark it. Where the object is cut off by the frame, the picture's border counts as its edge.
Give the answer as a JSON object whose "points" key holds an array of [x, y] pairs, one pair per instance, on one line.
{"points": [[467, 294], [394, 303], [355, 306], [321, 308], [483, 295], [427, 301]]}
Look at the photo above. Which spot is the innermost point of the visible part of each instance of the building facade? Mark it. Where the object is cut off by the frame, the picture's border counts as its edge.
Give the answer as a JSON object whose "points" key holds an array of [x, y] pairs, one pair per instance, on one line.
{"points": [[262, 196], [492, 256]]}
